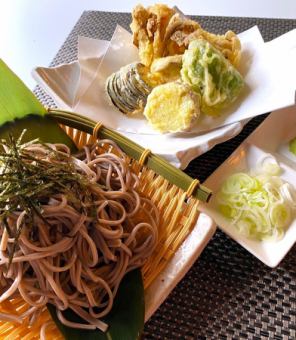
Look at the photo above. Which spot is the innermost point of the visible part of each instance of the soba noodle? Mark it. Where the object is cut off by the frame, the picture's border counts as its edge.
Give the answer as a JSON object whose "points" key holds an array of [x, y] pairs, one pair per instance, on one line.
{"points": [[77, 254]]}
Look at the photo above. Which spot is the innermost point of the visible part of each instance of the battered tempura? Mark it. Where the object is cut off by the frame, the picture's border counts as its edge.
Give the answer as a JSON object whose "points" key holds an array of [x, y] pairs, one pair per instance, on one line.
{"points": [[160, 31]]}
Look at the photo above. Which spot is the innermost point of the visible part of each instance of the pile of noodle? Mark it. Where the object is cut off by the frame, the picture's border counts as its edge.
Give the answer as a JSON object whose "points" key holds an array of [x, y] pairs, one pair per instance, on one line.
{"points": [[79, 253]]}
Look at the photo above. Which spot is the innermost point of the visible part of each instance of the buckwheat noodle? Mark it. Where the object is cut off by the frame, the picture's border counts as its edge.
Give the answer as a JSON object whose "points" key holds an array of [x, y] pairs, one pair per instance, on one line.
{"points": [[78, 257]]}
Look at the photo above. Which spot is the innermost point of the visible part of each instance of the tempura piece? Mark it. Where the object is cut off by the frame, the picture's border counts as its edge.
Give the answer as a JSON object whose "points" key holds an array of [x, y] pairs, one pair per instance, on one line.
{"points": [[228, 44], [129, 87], [178, 29], [160, 17], [148, 27], [172, 107], [209, 73], [142, 37], [160, 31], [181, 31], [167, 68]]}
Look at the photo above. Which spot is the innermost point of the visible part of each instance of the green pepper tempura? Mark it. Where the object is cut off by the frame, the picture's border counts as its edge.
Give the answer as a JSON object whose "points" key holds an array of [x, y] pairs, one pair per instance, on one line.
{"points": [[211, 75]]}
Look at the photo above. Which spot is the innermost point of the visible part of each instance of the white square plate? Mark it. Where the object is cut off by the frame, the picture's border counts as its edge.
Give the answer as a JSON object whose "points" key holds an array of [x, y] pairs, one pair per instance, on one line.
{"points": [[269, 138]]}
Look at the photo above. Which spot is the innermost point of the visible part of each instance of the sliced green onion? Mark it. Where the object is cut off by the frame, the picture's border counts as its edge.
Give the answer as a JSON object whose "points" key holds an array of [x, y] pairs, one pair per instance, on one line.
{"points": [[269, 165], [289, 194], [261, 205]]}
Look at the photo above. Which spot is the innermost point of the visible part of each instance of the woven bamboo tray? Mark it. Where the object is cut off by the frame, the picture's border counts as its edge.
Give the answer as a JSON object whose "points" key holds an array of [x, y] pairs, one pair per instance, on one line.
{"points": [[165, 268]]}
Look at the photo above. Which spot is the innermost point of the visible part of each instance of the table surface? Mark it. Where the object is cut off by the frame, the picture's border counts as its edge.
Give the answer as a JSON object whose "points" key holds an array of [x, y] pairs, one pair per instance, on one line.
{"points": [[227, 294], [32, 31]]}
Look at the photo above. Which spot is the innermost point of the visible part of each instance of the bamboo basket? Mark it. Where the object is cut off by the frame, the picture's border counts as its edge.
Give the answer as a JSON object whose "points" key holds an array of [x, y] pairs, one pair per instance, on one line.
{"points": [[178, 210]]}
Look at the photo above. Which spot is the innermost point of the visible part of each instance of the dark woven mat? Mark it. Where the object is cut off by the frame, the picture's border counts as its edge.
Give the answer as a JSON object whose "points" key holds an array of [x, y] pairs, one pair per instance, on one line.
{"points": [[228, 293]]}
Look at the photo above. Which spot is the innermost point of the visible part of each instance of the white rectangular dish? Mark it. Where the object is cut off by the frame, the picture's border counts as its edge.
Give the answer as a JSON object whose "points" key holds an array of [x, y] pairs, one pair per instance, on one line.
{"points": [[271, 137]]}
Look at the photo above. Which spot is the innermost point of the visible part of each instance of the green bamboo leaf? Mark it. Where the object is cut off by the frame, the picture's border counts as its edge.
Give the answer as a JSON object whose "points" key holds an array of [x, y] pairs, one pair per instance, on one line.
{"points": [[126, 319], [19, 110], [43, 127], [16, 100]]}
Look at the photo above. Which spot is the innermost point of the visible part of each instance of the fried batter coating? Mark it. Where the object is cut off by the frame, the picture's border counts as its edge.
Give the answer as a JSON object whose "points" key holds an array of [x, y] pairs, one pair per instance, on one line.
{"points": [[167, 69], [177, 31], [149, 27], [160, 31], [141, 37], [172, 107], [228, 44]]}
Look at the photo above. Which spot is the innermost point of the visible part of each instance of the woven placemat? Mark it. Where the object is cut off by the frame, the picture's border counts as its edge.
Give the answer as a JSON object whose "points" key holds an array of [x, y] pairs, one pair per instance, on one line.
{"points": [[228, 293]]}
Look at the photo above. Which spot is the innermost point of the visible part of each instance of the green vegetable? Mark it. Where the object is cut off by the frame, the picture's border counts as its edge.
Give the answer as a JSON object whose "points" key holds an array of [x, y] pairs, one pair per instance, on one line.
{"points": [[16, 100], [19, 110], [292, 146], [259, 206], [211, 75]]}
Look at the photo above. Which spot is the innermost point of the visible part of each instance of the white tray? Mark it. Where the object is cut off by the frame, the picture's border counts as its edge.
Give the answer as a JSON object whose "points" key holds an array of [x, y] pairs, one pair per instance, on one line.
{"points": [[271, 137]]}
